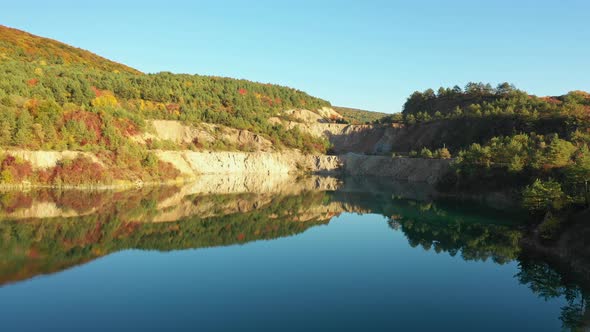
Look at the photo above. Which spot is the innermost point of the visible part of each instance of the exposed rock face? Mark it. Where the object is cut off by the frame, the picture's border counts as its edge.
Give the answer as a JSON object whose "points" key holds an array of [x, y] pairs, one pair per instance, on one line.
{"points": [[323, 115], [204, 133], [370, 139], [406, 169], [48, 159], [194, 163]]}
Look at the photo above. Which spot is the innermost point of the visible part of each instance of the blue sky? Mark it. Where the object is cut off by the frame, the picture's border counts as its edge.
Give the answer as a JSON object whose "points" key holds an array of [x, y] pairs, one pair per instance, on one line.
{"points": [[365, 54]]}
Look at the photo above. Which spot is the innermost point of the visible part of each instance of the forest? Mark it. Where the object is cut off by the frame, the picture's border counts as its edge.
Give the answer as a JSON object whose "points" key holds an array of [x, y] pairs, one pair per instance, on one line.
{"points": [[502, 137]]}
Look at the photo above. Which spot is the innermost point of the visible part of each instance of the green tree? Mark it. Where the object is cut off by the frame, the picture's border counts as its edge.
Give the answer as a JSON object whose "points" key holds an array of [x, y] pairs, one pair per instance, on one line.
{"points": [[543, 196], [24, 124], [579, 172], [559, 152]]}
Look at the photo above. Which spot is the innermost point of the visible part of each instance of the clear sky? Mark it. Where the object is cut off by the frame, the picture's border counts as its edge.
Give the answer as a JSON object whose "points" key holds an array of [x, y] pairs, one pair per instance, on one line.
{"points": [[365, 54]]}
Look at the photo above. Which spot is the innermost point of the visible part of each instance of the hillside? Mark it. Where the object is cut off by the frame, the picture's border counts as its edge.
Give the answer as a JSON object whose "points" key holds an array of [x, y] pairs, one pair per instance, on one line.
{"points": [[39, 73], [57, 97], [22, 46], [357, 116], [503, 138]]}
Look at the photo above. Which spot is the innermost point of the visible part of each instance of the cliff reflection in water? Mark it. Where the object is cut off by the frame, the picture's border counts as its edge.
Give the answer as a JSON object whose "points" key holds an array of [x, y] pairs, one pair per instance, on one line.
{"points": [[45, 231]]}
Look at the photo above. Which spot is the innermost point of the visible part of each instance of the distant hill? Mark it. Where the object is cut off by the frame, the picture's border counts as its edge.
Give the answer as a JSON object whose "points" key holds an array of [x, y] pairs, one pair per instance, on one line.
{"points": [[19, 45], [357, 116]]}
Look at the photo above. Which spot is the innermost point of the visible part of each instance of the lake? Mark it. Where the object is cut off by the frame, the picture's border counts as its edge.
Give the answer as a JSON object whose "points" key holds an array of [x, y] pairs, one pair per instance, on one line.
{"points": [[258, 253]]}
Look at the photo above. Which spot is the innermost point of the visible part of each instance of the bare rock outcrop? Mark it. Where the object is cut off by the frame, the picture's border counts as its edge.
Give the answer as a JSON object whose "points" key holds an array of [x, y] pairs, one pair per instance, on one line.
{"points": [[406, 169], [48, 159], [192, 163], [203, 134]]}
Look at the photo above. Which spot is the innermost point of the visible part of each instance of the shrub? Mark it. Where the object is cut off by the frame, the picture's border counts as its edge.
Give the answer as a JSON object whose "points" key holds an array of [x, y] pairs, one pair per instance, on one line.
{"points": [[13, 170], [79, 171], [443, 153], [426, 153]]}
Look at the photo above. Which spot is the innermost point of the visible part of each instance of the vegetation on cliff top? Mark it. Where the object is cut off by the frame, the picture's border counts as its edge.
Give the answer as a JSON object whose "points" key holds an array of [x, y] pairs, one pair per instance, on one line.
{"points": [[357, 116]]}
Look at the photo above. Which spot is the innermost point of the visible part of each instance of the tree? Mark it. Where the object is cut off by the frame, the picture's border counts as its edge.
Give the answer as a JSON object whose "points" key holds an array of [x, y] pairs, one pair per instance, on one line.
{"points": [[504, 88], [544, 196], [558, 153], [579, 172], [442, 153], [24, 125], [475, 155]]}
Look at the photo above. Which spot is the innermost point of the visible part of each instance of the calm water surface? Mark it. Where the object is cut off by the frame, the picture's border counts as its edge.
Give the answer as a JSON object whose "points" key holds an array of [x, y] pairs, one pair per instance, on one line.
{"points": [[312, 256]]}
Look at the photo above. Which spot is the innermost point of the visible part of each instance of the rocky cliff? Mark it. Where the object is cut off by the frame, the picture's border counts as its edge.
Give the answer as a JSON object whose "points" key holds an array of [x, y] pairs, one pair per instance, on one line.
{"points": [[203, 134], [405, 169], [192, 164], [367, 139]]}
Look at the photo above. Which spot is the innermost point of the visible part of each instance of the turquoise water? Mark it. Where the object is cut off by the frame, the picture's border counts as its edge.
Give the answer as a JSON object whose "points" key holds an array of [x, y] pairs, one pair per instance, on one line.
{"points": [[353, 271]]}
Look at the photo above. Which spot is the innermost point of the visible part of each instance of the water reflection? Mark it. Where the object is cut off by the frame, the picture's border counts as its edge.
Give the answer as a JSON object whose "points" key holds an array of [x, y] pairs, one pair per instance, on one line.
{"points": [[46, 231], [548, 282]]}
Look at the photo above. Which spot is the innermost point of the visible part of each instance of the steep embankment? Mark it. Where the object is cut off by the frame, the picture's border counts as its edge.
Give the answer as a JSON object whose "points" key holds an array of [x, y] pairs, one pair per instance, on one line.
{"points": [[191, 164], [203, 135], [406, 169], [386, 138], [344, 138]]}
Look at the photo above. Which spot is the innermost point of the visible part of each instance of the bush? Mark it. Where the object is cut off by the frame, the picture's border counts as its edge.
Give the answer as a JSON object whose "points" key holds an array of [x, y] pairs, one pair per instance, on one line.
{"points": [[443, 153], [426, 153], [79, 171], [13, 170]]}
